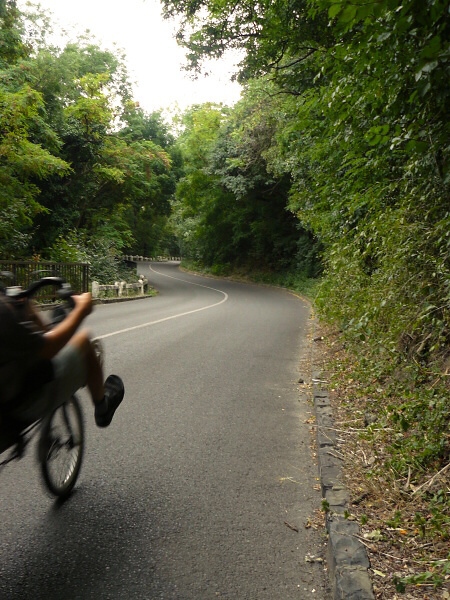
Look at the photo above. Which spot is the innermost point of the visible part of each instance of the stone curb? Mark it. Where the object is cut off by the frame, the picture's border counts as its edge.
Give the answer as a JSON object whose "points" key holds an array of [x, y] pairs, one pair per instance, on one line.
{"points": [[347, 556]]}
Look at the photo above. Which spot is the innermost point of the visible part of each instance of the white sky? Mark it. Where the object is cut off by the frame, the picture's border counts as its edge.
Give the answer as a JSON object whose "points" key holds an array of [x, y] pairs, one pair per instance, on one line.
{"points": [[154, 60]]}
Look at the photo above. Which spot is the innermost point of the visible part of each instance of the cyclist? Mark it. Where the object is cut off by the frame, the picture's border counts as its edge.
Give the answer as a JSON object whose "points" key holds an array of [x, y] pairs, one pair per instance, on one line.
{"points": [[41, 366]]}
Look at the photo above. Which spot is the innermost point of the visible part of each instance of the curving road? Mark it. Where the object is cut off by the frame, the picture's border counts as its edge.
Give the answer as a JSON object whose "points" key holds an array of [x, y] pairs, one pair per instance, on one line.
{"points": [[197, 488]]}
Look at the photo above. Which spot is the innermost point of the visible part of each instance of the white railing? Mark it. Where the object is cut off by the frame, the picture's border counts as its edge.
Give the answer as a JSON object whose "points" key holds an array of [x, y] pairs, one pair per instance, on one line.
{"points": [[120, 289], [152, 258]]}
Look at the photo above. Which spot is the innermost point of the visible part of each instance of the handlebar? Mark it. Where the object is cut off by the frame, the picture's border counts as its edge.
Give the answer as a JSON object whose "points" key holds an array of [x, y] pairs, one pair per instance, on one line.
{"points": [[64, 291]]}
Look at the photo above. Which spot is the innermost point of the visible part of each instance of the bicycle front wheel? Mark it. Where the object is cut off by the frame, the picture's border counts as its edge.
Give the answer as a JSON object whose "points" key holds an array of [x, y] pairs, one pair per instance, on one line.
{"points": [[61, 447]]}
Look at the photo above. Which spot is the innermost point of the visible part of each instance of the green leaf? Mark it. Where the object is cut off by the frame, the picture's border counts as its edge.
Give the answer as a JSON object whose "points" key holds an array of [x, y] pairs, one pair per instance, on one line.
{"points": [[424, 89], [426, 69], [432, 49], [348, 14], [416, 146], [400, 585], [334, 10], [364, 11], [384, 36]]}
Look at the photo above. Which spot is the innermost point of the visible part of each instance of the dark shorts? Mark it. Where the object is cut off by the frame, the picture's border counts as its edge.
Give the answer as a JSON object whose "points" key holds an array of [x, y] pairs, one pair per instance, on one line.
{"points": [[69, 367]]}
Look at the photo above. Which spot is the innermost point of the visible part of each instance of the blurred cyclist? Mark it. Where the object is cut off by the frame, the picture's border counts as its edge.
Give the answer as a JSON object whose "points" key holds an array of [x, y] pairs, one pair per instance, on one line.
{"points": [[40, 367]]}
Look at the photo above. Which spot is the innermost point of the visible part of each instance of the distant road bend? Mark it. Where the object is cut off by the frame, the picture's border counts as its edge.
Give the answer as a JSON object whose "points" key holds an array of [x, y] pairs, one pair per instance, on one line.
{"points": [[176, 316]]}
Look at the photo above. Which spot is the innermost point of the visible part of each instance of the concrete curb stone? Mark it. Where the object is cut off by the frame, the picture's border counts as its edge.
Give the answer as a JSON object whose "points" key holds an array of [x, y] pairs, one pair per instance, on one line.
{"points": [[123, 299], [347, 555]]}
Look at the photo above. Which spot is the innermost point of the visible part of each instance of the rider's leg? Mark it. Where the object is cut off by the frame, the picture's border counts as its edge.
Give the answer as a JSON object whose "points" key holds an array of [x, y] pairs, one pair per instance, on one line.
{"points": [[106, 396], [94, 372], [75, 366]]}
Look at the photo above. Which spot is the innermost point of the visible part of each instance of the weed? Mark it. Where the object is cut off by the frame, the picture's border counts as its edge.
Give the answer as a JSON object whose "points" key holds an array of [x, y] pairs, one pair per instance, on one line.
{"points": [[435, 576]]}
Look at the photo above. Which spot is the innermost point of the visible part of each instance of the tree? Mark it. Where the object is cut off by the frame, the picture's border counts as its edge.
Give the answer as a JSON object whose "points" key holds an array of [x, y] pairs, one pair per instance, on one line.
{"points": [[80, 164], [264, 233], [230, 209], [196, 190], [23, 160], [152, 185], [107, 140], [275, 36]]}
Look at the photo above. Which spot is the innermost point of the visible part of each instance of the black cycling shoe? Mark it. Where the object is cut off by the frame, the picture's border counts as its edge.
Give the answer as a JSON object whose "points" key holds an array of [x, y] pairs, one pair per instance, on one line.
{"points": [[114, 392]]}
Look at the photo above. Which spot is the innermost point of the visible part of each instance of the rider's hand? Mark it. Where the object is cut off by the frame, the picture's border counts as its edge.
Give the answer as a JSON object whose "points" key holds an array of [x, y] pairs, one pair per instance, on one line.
{"points": [[83, 302], [59, 336]]}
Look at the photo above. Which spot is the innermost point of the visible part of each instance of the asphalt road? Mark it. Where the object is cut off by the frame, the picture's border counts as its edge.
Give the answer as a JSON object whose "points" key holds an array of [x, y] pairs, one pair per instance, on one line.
{"points": [[197, 488]]}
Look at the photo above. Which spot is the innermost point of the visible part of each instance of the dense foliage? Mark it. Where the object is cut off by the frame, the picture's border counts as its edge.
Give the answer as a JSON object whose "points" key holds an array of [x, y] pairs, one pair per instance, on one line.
{"points": [[84, 172], [229, 209]]}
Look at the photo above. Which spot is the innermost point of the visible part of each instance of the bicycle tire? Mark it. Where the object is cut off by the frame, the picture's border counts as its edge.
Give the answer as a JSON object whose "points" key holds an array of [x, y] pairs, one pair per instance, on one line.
{"points": [[61, 447]]}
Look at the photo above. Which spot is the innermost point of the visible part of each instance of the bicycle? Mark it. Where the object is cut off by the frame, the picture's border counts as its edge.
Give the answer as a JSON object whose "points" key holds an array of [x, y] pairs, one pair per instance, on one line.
{"points": [[61, 431]]}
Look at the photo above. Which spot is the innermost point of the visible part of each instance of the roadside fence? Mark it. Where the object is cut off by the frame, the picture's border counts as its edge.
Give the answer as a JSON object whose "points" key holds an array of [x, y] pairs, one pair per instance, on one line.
{"points": [[25, 272]]}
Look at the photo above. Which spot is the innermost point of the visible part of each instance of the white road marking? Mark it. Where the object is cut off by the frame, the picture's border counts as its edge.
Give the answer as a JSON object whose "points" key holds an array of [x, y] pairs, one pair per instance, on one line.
{"points": [[183, 314]]}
